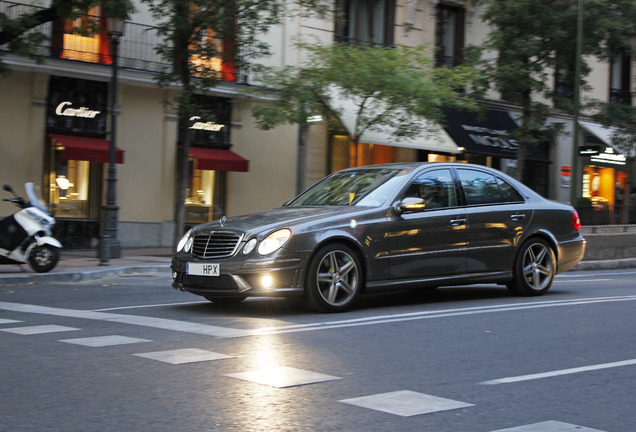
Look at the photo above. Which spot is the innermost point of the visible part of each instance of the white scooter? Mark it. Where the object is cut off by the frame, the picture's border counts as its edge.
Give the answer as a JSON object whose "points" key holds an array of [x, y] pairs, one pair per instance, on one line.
{"points": [[26, 235]]}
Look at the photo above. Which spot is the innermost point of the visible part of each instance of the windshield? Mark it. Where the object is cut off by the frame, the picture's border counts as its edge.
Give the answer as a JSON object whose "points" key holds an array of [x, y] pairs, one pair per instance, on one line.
{"points": [[33, 197], [364, 187]]}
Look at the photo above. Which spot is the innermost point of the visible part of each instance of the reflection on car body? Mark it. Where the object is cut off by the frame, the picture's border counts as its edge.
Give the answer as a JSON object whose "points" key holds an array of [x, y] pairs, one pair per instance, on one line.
{"points": [[369, 229]]}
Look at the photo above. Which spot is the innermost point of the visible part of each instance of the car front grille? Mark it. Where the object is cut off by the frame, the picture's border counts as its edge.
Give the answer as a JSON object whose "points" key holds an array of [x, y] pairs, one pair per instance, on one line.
{"points": [[216, 244]]}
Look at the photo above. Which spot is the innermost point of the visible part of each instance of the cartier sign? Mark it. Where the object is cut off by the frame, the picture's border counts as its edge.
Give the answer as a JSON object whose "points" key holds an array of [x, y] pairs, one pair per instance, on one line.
{"points": [[208, 126], [64, 109]]}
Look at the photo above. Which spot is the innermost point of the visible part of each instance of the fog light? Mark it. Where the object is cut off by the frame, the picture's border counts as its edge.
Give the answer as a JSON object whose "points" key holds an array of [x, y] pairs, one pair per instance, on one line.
{"points": [[267, 281]]}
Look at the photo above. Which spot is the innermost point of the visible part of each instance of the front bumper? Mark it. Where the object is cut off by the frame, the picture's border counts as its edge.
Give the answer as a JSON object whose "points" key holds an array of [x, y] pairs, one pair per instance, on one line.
{"points": [[240, 277]]}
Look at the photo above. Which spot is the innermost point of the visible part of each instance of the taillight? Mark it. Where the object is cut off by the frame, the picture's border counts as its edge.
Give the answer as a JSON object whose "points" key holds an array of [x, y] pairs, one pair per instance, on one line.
{"points": [[576, 221]]}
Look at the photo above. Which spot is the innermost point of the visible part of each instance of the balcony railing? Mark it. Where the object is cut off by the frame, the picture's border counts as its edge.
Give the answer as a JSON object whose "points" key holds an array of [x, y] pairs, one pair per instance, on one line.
{"points": [[620, 96], [137, 49]]}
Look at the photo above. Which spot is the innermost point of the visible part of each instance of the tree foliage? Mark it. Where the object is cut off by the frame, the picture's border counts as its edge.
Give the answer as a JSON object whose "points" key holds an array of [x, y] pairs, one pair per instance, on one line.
{"points": [[535, 44], [200, 33], [393, 89]]}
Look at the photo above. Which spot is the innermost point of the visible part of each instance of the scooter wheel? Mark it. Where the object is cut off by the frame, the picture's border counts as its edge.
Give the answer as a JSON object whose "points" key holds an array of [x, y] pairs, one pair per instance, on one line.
{"points": [[43, 258]]}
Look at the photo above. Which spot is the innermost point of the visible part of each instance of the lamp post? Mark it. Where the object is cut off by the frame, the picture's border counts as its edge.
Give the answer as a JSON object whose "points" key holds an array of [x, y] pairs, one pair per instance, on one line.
{"points": [[110, 246], [574, 175]]}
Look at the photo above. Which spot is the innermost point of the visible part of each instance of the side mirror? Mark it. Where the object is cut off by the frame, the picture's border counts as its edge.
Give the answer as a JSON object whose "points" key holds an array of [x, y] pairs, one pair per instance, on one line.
{"points": [[8, 188], [409, 205]]}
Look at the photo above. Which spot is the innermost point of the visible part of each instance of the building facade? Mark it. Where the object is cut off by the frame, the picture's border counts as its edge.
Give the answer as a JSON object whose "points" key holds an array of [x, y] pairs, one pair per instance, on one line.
{"points": [[55, 125]]}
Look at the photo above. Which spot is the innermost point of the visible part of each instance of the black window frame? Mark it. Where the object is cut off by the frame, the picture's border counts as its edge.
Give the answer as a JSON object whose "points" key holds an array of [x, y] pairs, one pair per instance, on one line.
{"points": [[344, 32]]}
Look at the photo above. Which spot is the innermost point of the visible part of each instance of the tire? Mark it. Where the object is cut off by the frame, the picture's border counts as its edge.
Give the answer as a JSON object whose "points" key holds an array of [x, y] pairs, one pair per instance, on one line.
{"points": [[43, 258], [334, 279], [535, 268], [226, 301]]}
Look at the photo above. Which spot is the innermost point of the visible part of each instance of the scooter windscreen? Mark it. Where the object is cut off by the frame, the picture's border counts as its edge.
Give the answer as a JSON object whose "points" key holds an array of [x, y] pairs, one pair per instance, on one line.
{"points": [[34, 198]]}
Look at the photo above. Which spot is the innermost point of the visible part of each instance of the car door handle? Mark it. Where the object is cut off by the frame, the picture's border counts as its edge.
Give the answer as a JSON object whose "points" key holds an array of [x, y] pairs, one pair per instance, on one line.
{"points": [[458, 221], [517, 216]]}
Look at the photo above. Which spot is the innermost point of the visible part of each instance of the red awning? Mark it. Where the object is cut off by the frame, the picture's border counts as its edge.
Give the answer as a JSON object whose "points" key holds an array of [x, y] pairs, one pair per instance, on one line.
{"points": [[218, 160], [86, 149]]}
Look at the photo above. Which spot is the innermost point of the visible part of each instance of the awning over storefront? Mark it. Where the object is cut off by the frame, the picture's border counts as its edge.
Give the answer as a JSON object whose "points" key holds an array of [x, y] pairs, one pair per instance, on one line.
{"points": [[487, 134], [435, 140], [86, 149], [218, 159], [607, 154]]}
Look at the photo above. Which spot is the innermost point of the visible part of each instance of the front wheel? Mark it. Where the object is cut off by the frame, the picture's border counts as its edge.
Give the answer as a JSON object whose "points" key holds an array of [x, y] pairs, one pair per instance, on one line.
{"points": [[43, 258], [334, 278], [534, 269]]}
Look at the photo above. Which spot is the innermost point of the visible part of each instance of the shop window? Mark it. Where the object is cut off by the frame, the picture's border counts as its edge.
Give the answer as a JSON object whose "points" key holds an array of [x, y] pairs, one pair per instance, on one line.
{"points": [[449, 35], [84, 38], [205, 195], [71, 184], [370, 21], [344, 154], [213, 57]]}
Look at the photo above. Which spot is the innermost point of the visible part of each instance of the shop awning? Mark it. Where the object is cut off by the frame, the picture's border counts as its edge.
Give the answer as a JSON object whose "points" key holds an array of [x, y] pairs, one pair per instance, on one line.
{"points": [[86, 149], [606, 155], [218, 159], [435, 140], [487, 134]]}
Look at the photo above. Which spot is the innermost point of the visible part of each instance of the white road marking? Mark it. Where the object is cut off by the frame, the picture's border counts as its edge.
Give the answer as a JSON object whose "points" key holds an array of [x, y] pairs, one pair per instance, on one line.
{"points": [[39, 329], [406, 403], [104, 341], [227, 332], [582, 280], [570, 371], [160, 323], [281, 377], [183, 356], [549, 426]]}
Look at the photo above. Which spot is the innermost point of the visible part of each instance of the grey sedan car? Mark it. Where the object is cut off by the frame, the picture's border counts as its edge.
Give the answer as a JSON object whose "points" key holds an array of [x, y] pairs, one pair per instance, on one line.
{"points": [[385, 227]]}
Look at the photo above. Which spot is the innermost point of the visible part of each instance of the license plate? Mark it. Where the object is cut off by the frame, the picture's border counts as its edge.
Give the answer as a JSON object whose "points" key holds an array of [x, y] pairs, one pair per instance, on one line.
{"points": [[199, 269]]}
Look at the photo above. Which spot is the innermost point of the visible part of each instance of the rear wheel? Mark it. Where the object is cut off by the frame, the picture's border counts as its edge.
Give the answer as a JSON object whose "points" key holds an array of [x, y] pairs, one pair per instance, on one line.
{"points": [[43, 258], [334, 278], [534, 269]]}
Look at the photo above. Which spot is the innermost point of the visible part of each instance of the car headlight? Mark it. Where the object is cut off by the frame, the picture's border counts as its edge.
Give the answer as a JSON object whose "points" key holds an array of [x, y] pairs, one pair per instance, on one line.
{"points": [[185, 242], [249, 246], [274, 241]]}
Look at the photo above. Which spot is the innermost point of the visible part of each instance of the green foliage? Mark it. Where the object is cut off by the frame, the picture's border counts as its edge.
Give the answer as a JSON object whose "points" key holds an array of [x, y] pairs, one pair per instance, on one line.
{"points": [[536, 39], [392, 88]]}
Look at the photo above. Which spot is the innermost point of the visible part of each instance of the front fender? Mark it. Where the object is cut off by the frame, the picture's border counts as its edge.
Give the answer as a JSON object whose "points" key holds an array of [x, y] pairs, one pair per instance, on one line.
{"points": [[48, 240]]}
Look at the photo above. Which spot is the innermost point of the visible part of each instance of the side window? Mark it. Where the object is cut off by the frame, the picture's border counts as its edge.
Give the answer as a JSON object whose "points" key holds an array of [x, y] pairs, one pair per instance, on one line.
{"points": [[480, 187], [435, 187], [509, 193]]}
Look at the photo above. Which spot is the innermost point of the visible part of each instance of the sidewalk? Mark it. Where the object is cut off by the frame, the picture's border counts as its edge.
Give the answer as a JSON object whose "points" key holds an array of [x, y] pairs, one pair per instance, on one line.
{"points": [[83, 265], [79, 265]]}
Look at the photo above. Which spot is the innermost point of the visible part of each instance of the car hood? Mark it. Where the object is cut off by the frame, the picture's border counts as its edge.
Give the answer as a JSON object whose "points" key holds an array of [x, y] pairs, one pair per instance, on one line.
{"points": [[285, 217]]}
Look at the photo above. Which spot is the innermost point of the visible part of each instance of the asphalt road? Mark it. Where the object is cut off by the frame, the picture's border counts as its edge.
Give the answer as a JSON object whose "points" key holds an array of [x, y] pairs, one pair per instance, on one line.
{"points": [[128, 353]]}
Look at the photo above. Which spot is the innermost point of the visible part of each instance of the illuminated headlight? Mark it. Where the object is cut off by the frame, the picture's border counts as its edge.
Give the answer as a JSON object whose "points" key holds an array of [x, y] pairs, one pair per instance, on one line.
{"points": [[274, 241], [185, 243], [249, 246]]}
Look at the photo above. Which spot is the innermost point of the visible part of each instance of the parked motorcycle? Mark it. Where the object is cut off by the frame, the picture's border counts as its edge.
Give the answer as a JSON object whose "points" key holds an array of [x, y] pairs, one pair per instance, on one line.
{"points": [[26, 235]]}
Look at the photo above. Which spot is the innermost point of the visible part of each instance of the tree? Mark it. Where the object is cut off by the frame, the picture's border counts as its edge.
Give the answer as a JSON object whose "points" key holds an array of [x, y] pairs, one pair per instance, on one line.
{"points": [[20, 33], [393, 89], [535, 46], [197, 34]]}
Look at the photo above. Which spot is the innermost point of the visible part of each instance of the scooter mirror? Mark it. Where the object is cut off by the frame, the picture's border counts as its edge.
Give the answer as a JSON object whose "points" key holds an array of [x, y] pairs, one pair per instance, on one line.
{"points": [[8, 188]]}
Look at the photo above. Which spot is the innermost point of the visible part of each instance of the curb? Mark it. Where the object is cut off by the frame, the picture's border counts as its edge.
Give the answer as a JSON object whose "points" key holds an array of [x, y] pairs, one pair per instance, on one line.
{"points": [[83, 275], [615, 264]]}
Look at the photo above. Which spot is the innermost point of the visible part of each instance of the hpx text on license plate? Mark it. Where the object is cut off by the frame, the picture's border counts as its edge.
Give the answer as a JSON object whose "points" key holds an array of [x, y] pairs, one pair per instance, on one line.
{"points": [[205, 269]]}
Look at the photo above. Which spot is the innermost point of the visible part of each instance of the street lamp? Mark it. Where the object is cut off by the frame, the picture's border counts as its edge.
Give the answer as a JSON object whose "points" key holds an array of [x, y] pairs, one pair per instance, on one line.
{"points": [[574, 175], [110, 246]]}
